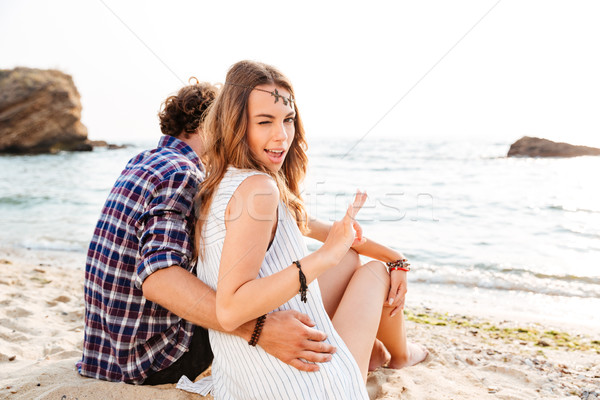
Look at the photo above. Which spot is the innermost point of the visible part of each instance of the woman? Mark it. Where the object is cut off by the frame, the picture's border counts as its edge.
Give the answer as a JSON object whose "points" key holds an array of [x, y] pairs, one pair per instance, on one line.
{"points": [[251, 250]]}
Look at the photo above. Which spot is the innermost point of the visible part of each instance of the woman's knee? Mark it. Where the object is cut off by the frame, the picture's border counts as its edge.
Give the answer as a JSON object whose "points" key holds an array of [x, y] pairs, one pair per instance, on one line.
{"points": [[352, 259], [376, 273]]}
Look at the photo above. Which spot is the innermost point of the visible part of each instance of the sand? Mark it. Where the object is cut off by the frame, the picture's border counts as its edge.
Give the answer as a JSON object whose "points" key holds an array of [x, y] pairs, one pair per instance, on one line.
{"points": [[41, 333]]}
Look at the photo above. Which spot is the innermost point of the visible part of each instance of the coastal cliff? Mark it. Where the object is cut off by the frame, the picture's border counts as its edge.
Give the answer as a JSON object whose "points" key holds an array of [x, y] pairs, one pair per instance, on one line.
{"points": [[40, 112]]}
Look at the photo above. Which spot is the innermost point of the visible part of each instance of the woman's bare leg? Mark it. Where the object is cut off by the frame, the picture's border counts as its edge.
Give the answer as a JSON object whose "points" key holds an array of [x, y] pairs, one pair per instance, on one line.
{"points": [[334, 281], [392, 332], [379, 356], [333, 284], [359, 312]]}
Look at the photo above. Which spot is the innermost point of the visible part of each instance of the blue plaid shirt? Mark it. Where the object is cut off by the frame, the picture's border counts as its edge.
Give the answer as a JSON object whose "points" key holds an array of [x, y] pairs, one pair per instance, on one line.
{"points": [[145, 225]]}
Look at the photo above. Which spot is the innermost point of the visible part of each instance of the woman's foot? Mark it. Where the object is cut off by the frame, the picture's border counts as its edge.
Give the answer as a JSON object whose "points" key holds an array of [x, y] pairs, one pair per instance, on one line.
{"points": [[379, 356], [415, 354]]}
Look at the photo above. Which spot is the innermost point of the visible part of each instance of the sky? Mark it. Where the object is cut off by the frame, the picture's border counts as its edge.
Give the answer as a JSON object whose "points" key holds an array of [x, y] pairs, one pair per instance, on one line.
{"points": [[489, 70]]}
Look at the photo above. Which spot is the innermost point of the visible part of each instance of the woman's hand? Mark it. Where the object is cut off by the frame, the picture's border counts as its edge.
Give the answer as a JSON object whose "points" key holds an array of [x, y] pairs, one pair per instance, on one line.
{"points": [[345, 233], [397, 293]]}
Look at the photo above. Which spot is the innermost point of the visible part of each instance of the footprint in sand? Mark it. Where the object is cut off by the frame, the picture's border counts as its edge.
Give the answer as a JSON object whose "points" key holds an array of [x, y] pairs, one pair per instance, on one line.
{"points": [[66, 354], [6, 357], [59, 299], [18, 312], [13, 336], [53, 349], [62, 299], [12, 324], [375, 381], [513, 372]]}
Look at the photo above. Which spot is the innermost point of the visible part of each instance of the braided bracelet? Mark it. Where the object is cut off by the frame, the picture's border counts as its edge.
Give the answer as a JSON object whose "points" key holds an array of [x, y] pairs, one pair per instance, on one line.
{"points": [[303, 286], [260, 321], [400, 264]]}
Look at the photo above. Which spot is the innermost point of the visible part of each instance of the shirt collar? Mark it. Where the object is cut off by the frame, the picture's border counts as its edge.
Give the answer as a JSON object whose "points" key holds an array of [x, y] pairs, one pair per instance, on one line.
{"points": [[180, 146]]}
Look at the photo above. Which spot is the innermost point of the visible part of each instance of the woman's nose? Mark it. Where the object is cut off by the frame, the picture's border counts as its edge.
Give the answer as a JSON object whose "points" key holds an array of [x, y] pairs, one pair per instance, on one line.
{"points": [[280, 134]]}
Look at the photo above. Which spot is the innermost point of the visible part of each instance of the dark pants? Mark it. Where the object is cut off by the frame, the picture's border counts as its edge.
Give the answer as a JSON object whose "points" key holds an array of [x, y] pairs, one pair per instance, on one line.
{"points": [[197, 359]]}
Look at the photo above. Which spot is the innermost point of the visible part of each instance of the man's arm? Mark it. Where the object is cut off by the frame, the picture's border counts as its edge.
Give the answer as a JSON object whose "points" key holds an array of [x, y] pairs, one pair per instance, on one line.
{"points": [[182, 293], [287, 335]]}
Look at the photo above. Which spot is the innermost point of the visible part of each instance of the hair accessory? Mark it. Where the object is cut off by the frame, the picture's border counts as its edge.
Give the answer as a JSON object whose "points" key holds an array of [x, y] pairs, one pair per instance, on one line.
{"points": [[400, 264], [303, 287], [260, 321], [275, 93]]}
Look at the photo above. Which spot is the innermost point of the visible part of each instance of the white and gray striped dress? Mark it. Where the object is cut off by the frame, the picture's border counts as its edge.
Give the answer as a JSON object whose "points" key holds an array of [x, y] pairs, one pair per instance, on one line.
{"points": [[241, 371]]}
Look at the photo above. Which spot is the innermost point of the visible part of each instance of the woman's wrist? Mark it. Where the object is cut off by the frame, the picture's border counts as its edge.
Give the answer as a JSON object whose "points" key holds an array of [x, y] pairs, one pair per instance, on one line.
{"points": [[323, 258], [393, 256], [400, 264]]}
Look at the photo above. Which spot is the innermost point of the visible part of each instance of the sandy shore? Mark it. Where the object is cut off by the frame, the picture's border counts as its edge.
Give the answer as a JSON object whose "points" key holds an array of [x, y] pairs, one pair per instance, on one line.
{"points": [[41, 321]]}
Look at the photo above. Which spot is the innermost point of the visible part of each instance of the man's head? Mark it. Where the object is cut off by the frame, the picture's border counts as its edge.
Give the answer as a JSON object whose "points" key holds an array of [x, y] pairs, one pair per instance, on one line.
{"points": [[183, 114]]}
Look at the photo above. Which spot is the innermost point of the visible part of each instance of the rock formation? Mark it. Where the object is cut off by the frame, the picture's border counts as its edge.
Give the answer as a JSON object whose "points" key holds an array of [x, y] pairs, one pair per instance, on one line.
{"points": [[536, 147], [40, 112]]}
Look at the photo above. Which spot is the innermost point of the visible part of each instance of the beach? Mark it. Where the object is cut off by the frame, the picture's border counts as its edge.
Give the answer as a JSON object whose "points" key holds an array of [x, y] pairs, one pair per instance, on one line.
{"points": [[477, 146], [41, 333], [503, 291]]}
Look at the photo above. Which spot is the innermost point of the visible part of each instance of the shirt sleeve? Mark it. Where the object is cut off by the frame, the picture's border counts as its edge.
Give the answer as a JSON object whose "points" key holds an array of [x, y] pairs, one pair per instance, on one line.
{"points": [[164, 229]]}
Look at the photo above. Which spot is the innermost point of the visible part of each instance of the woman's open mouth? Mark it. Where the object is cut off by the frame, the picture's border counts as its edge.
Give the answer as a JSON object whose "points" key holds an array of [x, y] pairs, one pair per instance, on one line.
{"points": [[275, 156]]}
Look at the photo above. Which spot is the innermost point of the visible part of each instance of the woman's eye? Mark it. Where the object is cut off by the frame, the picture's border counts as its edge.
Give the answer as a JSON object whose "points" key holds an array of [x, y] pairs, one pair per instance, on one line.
{"points": [[290, 120], [264, 122]]}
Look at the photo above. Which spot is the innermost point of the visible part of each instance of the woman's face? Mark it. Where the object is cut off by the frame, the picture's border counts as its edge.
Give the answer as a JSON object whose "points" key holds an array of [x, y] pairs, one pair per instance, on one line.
{"points": [[270, 126]]}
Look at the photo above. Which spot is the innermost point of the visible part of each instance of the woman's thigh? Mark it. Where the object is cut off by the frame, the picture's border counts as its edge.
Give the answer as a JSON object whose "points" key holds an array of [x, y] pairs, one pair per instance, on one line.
{"points": [[359, 312], [333, 282]]}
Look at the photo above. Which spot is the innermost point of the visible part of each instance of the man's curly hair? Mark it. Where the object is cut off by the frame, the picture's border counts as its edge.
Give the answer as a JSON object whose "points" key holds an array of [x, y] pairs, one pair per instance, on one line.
{"points": [[185, 112]]}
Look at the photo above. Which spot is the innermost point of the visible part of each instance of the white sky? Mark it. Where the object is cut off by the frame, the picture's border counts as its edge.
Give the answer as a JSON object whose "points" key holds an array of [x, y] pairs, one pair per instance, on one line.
{"points": [[528, 68]]}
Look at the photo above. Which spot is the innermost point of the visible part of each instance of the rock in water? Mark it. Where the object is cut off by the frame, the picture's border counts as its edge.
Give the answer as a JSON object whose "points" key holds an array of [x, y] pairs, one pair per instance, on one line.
{"points": [[536, 147], [40, 112]]}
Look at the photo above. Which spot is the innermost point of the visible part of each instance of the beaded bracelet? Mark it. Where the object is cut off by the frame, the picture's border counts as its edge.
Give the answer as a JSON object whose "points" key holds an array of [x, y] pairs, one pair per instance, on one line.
{"points": [[303, 286], [260, 321], [400, 264]]}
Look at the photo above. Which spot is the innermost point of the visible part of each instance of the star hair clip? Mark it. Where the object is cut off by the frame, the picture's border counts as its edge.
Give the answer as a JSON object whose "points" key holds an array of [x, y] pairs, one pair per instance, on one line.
{"points": [[275, 93]]}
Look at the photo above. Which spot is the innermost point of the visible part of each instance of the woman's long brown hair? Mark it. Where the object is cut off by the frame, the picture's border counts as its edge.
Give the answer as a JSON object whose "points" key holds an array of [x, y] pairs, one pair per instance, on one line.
{"points": [[226, 143]]}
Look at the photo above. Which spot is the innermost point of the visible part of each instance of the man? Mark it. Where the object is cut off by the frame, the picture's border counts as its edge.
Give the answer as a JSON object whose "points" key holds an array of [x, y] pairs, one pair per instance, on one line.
{"points": [[146, 311]]}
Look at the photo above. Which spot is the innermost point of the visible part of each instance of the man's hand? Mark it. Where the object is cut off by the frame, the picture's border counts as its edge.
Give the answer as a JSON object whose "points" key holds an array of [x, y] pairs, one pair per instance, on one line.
{"points": [[289, 336]]}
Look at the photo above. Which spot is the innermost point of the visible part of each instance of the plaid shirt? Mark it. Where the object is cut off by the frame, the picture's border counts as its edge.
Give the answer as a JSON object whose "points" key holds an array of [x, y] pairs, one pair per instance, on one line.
{"points": [[144, 226]]}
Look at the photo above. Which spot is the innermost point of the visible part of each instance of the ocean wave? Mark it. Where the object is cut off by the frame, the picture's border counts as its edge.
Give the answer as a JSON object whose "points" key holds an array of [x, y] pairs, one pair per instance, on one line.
{"points": [[579, 232], [490, 276], [561, 207], [20, 200], [11, 201], [567, 278], [53, 245]]}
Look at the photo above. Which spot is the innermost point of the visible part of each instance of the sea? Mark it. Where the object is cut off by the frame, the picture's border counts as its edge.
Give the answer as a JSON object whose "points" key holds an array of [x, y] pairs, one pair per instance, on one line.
{"points": [[511, 238]]}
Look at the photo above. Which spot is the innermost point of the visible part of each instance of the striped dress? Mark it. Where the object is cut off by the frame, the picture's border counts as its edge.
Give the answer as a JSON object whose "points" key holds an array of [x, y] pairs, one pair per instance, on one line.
{"points": [[240, 371]]}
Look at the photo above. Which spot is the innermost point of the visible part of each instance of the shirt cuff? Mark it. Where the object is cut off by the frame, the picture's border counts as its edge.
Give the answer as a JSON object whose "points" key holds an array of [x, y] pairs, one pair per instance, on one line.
{"points": [[156, 261]]}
